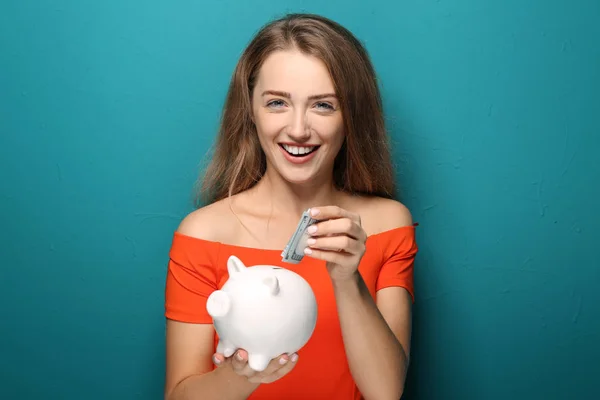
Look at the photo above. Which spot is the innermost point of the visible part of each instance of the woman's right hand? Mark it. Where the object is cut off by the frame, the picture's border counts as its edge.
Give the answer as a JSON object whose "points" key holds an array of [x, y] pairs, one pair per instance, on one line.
{"points": [[277, 368]]}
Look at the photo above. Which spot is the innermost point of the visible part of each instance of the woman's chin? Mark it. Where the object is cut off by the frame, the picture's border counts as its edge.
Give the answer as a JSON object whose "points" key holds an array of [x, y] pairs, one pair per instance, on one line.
{"points": [[301, 178]]}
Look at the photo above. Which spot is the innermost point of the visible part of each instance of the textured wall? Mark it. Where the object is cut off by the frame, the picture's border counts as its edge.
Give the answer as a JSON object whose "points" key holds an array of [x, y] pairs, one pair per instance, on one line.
{"points": [[106, 110]]}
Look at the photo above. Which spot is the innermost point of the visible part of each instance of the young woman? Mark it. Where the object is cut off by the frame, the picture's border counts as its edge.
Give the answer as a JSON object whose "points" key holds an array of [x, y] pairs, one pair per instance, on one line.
{"points": [[302, 128]]}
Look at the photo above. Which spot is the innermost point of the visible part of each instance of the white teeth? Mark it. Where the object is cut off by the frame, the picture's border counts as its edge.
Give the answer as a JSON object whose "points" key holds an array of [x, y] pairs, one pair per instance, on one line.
{"points": [[297, 149]]}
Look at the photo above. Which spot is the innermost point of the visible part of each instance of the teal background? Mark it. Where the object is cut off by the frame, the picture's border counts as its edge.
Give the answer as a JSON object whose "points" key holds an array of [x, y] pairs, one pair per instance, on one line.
{"points": [[107, 109]]}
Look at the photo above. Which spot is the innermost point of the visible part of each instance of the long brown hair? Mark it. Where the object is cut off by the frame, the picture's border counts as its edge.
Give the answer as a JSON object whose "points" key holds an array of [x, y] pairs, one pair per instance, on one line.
{"points": [[363, 165]]}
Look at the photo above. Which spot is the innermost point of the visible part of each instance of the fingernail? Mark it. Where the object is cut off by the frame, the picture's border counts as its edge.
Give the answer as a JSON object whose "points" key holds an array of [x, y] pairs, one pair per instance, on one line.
{"points": [[282, 360], [311, 241], [239, 356], [294, 357], [307, 251], [312, 229], [314, 211], [216, 360]]}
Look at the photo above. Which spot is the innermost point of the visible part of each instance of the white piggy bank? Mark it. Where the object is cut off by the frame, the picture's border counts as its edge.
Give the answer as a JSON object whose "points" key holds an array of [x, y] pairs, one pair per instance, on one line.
{"points": [[263, 309]]}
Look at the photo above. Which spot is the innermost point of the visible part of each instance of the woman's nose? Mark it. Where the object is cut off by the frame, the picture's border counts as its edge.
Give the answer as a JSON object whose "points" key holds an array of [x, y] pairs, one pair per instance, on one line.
{"points": [[299, 130]]}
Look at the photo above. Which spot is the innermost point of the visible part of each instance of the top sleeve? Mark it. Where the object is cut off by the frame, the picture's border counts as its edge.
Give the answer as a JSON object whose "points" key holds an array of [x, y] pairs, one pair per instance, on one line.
{"points": [[399, 249], [191, 278]]}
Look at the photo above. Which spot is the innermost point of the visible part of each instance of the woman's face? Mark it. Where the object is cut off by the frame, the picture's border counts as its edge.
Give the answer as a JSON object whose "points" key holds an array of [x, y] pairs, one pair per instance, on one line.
{"points": [[297, 117]]}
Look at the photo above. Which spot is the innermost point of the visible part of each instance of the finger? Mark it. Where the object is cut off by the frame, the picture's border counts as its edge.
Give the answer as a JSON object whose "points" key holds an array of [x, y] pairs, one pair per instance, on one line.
{"points": [[239, 363], [281, 372], [333, 212], [337, 226], [274, 365], [336, 243], [218, 359], [335, 257]]}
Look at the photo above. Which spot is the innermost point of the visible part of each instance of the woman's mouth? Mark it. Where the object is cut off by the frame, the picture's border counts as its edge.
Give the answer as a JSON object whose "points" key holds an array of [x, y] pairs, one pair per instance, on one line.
{"points": [[298, 151], [298, 154]]}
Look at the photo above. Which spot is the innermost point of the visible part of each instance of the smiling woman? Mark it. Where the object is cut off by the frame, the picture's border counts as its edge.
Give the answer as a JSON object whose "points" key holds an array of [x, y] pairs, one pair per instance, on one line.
{"points": [[302, 128], [300, 154], [301, 134], [312, 70]]}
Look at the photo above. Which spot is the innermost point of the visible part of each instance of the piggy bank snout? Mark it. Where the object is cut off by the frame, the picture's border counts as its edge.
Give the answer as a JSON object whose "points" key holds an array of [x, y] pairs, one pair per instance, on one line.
{"points": [[218, 304]]}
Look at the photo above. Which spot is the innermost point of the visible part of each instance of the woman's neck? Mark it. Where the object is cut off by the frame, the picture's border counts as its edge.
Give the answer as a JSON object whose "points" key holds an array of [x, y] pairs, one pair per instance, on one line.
{"points": [[283, 197]]}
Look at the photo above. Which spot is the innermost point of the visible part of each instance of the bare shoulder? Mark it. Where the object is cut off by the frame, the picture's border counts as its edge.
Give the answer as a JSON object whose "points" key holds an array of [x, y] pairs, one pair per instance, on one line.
{"points": [[391, 213], [379, 214], [210, 222]]}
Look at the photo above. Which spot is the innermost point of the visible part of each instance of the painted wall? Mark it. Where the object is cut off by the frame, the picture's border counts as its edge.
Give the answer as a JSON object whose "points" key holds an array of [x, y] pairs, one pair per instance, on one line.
{"points": [[107, 108]]}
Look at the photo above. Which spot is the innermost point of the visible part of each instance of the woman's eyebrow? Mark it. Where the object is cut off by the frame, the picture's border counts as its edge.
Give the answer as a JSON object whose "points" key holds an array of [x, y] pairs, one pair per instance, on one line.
{"points": [[322, 96], [287, 95], [277, 93]]}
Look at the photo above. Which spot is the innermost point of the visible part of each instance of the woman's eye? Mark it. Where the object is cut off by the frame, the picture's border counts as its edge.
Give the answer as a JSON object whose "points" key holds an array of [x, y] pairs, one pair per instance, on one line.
{"points": [[275, 103], [325, 106]]}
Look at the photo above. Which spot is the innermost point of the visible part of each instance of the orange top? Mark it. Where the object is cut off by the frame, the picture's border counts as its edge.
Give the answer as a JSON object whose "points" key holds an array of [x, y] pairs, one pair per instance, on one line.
{"points": [[198, 267]]}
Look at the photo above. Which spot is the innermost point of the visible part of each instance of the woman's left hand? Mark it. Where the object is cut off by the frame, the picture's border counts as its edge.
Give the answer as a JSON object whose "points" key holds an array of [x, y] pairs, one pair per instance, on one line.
{"points": [[337, 238]]}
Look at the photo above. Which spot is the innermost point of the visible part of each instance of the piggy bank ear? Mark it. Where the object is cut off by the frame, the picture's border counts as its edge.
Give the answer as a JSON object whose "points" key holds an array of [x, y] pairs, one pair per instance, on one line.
{"points": [[235, 266], [273, 284]]}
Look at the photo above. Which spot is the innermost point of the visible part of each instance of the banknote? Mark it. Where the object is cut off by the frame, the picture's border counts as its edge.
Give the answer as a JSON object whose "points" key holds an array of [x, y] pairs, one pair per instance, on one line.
{"points": [[294, 250]]}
